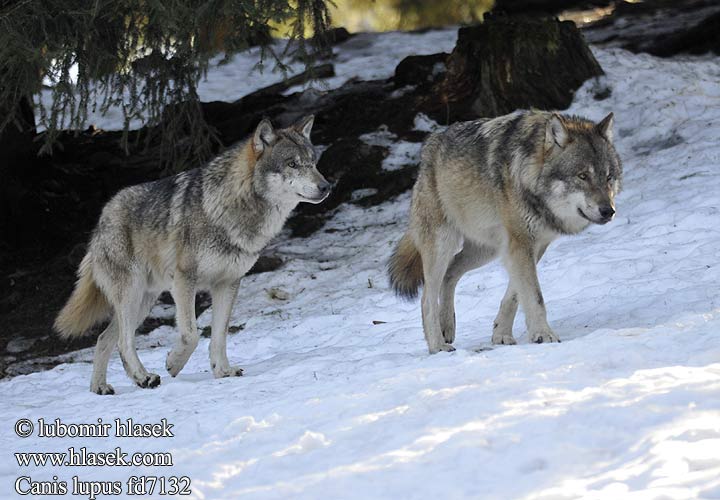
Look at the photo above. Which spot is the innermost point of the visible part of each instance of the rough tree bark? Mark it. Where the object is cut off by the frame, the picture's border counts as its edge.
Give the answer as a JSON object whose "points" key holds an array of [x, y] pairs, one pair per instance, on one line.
{"points": [[508, 63]]}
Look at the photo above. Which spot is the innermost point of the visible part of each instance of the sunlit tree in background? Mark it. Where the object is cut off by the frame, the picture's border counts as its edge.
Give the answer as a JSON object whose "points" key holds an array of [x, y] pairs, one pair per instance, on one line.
{"points": [[384, 15]]}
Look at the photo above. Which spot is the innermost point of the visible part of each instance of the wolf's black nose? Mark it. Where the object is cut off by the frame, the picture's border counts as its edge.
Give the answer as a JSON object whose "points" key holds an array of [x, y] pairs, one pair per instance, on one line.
{"points": [[606, 212], [325, 188]]}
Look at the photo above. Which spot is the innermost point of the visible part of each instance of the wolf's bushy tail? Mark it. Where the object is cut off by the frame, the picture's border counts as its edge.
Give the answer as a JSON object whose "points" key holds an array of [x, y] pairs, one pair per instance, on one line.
{"points": [[405, 269], [87, 304]]}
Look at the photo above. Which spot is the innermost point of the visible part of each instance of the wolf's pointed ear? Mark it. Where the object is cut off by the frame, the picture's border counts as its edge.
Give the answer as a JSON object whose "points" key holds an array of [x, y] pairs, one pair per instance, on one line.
{"points": [[555, 132], [264, 136], [304, 126], [605, 127]]}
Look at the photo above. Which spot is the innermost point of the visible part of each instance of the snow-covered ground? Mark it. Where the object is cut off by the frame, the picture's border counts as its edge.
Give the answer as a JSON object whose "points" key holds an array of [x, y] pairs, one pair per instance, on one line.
{"points": [[341, 400]]}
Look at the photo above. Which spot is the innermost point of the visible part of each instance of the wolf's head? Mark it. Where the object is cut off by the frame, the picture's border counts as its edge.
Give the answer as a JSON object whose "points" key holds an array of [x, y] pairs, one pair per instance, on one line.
{"points": [[582, 171], [286, 168]]}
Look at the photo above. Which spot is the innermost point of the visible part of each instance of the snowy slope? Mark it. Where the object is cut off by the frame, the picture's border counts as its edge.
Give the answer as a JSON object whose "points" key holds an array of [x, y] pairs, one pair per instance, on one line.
{"points": [[335, 406]]}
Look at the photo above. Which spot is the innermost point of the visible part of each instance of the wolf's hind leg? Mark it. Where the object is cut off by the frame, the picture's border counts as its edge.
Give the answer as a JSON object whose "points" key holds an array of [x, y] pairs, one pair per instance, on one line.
{"points": [[437, 254], [106, 343], [183, 292], [129, 314], [471, 257], [223, 297], [502, 326]]}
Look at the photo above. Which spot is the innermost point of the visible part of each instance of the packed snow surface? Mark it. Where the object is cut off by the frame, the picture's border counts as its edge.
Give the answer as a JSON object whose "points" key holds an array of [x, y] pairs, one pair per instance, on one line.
{"points": [[341, 400]]}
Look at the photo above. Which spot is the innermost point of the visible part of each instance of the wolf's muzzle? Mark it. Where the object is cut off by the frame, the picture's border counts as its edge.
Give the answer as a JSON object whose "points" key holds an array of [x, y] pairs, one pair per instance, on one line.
{"points": [[606, 214], [323, 190], [325, 187]]}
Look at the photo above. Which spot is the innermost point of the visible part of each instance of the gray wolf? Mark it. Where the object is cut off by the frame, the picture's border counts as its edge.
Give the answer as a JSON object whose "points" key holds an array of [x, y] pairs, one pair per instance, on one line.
{"points": [[200, 230], [503, 187]]}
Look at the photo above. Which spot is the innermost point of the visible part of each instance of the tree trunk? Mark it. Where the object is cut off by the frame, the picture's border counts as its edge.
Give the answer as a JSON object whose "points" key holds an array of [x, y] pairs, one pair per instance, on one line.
{"points": [[510, 63]]}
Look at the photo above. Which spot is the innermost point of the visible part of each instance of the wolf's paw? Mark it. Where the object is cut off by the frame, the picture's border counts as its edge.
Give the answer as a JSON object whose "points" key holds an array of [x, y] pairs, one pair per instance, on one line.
{"points": [[227, 371], [102, 389], [148, 381], [503, 339], [175, 361], [447, 325], [441, 347], [544, 337]]}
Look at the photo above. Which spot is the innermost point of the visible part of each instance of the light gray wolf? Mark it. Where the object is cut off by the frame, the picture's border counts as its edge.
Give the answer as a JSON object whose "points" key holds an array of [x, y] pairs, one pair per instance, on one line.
{"points": [[504, 187], [202, 229]]}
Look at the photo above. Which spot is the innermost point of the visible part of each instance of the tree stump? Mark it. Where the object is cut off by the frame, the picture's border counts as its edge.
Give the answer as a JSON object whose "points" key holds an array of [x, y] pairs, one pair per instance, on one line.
{"points": [[510, 63]]}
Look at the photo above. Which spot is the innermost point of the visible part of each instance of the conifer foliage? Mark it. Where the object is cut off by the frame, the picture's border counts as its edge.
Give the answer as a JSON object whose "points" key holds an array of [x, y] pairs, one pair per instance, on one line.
{"points": [[145, 56]]}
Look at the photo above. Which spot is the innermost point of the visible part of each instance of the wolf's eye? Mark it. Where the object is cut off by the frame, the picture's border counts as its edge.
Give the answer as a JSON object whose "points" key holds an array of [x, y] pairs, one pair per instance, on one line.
{"points": [[292, 164], [582, 176], [610, 178]]}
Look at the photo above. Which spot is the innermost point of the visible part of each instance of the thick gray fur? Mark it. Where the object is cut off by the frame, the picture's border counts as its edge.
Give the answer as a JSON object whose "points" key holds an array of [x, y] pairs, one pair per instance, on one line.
{"points": [[200, 230], [504, 187]]}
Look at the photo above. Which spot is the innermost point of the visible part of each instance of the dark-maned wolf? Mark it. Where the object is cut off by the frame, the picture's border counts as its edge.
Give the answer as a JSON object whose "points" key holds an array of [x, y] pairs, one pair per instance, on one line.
{"points": [[502, 187], [200, 230]]}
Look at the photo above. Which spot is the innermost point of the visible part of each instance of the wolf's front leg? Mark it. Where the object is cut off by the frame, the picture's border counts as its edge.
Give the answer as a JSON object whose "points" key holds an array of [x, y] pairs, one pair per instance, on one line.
{"points": [[223, 298], [183, 292], [520, 263], [470, 257], [503, 324]]}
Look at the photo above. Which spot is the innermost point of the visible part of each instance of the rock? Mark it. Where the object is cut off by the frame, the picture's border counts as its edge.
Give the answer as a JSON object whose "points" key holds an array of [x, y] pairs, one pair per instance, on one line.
{"points": [[332, 36], [348, 164], [320, 46], [19, 345], [166, 298], [660, 27], [316, 72], [699, 39], [276, 293], [151, 323], [202, 302], [420, 70], [302, 226], [266, 263]]}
